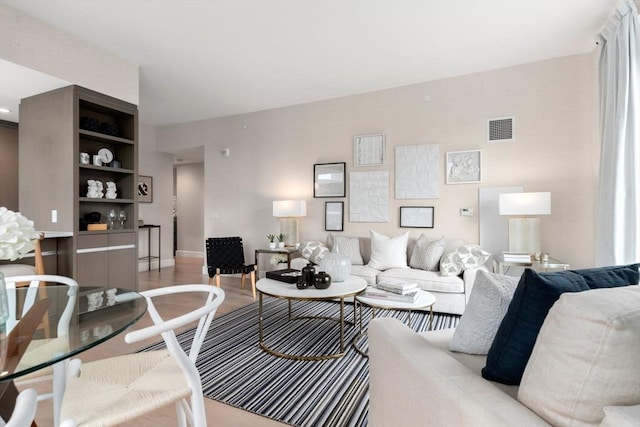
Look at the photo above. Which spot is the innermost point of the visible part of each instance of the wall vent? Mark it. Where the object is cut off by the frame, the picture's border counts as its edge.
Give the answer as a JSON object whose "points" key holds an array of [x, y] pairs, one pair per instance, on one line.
{"points": [[500, 129]]}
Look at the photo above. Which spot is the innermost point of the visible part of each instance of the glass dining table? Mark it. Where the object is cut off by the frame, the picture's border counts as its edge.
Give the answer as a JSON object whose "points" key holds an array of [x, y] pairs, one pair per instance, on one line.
{"points": [[97, 315]]}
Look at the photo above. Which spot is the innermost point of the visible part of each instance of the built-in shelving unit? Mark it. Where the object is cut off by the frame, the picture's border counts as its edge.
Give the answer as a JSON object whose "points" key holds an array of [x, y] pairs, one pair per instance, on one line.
{"points": [[55, 128]]}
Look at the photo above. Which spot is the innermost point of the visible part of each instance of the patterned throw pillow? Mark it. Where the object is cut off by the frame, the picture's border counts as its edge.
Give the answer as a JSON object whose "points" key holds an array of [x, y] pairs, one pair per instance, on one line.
{"points": [[314, 251], [426, 254], [350, 246], [455, 262]]}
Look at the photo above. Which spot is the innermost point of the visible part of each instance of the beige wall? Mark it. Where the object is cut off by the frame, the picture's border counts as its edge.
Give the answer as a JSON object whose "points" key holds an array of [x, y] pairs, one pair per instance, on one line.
{"points": [[33, 44], [190, 207], [556, 150]]}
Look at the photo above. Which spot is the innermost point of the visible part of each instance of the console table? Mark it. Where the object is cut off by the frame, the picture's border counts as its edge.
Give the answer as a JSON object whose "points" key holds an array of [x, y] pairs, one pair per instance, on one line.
{"points": [[288, 251], [150, 257]]}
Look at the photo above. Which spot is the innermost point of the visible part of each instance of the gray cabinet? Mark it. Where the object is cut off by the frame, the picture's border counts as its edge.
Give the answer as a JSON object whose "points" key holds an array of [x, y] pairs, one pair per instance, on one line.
{"points": [[55, 128]]}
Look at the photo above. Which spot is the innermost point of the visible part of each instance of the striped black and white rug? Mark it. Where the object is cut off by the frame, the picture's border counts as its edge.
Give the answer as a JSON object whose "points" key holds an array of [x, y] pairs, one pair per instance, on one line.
{"points": [[237, 372]]}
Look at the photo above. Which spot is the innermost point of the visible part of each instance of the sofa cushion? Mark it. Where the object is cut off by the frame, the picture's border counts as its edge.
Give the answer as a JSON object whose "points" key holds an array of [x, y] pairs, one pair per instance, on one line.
{"points": [[467, 256], [488, 303], [621, 416], [367, 273], [534, 296], [427, 253], [388, 252], [427, 280], [350, 246], [585, 357]]}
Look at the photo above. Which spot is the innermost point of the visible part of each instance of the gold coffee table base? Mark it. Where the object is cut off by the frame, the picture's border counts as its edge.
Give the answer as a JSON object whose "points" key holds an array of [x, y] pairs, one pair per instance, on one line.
{"points": [[277, 353]]}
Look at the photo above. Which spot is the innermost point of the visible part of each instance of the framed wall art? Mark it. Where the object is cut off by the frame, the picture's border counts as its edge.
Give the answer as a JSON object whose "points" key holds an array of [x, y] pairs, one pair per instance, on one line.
{"points": [[417, 170], [368, 150], [416, 216], [329, 179], [369, 196], [145, 189], [464, 167], [333, 216]]}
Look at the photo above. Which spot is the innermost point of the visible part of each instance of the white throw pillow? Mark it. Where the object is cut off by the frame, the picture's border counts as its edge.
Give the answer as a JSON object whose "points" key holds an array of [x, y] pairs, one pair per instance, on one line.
{"points": [[388, 252], [585, 357], [488, 303], [455, 262], [427, 253], [349, 246]]}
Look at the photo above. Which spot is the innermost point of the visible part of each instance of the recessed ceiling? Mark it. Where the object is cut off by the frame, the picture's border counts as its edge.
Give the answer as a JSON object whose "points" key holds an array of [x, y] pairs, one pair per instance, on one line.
{"points": [[201, 59]]}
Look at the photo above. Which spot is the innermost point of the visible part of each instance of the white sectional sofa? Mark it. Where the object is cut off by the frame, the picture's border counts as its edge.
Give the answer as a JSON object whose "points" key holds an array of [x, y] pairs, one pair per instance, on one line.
{"points": [[451, 292], [583, 370]]}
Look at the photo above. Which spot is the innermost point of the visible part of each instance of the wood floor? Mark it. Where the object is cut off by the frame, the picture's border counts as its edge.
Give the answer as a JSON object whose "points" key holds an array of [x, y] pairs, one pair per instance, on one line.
{"points": [[186, 271]]}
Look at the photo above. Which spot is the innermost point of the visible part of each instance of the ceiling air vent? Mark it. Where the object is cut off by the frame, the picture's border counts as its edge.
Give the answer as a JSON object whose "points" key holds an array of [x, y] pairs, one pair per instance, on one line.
{"points": [[500, 129]]}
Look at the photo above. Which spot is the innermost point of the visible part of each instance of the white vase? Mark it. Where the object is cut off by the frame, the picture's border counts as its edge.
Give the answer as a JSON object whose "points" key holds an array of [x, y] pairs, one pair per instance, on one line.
{"points": [[281, 244], [272, 245], [336, 264]]}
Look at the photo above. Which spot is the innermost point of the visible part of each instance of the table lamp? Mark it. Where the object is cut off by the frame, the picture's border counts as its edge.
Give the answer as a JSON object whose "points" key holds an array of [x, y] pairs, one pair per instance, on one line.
{"points": [[524, 233], [288, 211]]}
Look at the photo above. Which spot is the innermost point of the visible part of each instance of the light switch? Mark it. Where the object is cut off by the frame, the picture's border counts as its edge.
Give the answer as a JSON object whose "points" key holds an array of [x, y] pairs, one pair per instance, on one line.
{"points": [[54, 216]]}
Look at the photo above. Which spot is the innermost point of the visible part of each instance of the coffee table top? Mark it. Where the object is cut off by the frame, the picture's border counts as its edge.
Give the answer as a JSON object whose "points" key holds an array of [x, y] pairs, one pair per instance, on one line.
{"points": [[425, 300], [352, 286]]}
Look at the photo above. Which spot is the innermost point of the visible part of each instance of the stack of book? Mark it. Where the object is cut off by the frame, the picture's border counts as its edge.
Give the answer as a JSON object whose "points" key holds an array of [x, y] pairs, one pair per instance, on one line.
{"points": [[393, 291], [516, 257]]}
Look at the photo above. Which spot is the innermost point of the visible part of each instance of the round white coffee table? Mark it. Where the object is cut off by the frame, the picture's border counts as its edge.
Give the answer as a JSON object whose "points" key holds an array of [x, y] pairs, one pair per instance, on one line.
{"points": [[425, 301], [339, 290]]}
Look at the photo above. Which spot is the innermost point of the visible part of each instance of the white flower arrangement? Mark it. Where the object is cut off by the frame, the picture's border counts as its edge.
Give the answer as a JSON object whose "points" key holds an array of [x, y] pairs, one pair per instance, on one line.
{"points": [[17, 235], [277, 259]]}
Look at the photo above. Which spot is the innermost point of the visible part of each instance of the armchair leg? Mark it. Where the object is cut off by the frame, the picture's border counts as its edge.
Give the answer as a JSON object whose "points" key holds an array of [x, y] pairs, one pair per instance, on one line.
{"points": [[217, 277], [252, 277], [242, 281]]}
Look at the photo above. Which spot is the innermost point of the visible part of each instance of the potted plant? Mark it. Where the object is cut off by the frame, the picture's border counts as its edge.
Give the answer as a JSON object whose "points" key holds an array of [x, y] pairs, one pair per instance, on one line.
{"points": [[272, 241], [280, 238]]}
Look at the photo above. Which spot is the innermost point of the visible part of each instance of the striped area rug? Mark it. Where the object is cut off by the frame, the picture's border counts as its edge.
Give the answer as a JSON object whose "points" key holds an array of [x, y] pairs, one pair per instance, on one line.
{"points": [[237, 372]]}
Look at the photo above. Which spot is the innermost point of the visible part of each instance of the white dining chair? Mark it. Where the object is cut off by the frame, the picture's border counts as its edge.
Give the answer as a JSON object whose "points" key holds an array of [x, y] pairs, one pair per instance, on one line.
{"points": [[43, 349], [111, 391], [24, 411]]}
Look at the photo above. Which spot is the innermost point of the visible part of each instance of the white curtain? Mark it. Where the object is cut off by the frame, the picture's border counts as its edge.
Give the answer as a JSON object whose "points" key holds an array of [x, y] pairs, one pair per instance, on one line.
{"points": [[618, 227]]}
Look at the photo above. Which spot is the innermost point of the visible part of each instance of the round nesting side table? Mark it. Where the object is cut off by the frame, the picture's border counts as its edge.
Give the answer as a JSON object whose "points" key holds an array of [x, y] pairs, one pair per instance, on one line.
{"points": [[425, 301]]}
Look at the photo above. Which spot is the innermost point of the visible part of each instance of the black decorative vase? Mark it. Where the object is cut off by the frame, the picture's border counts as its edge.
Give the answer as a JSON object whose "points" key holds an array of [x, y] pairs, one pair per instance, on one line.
{"points": [[322, 280], [308, 275]]}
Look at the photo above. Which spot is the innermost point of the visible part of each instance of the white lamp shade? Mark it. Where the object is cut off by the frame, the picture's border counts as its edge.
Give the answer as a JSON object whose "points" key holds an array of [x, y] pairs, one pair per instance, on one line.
{"points": [[289, 208], [525, 204]]}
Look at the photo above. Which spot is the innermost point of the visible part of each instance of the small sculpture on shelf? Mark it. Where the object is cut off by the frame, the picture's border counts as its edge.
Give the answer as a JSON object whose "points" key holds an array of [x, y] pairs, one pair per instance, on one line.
{"points": [[95, 189], [111, 190]]}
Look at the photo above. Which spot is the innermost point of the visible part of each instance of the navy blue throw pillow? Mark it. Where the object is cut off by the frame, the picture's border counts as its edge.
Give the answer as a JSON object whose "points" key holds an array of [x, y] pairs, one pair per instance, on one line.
{"points": [[532, 300]]}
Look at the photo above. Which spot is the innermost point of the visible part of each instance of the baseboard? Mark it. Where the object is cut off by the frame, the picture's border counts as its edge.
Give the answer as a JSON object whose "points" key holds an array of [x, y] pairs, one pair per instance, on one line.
{"points": [[190, 254]]}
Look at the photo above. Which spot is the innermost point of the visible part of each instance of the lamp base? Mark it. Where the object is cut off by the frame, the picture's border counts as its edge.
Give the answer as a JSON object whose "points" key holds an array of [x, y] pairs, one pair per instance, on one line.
{"points": [[289, 227], [524, 235]]}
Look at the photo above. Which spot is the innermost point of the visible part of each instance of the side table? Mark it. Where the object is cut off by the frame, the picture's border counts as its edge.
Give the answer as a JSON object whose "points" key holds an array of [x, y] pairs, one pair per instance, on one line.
{"points": [[502, 266], [150, 257], [288, 251], [425, 300]]}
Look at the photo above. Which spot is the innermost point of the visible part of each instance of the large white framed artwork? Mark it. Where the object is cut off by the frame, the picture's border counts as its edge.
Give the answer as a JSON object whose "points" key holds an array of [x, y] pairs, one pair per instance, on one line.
{"points": [[417, 170], [368, 150], [369, 196], [464, 167]]}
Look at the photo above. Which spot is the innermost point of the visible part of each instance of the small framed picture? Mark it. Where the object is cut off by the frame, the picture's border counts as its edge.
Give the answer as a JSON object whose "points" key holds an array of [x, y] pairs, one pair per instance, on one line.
{"points": [[416, 216], [464, 167], [329, 179], [333, 216], [368, 150], [145, 189]]}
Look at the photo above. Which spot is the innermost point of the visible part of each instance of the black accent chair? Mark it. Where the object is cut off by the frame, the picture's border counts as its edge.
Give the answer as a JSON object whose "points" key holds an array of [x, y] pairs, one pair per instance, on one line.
{"points": [[225, 255]]}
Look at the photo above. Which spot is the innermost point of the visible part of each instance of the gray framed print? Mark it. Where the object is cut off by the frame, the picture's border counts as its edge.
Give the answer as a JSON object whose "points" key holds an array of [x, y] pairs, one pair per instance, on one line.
{"points": [[464, 167], [368, 150], [145, 189], [329, 179], [334, 216], [416, 216]]}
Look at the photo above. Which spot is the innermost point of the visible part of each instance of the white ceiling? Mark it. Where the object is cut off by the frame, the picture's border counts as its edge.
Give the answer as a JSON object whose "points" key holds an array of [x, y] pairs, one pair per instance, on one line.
{"points": [[200, 59]]}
